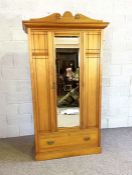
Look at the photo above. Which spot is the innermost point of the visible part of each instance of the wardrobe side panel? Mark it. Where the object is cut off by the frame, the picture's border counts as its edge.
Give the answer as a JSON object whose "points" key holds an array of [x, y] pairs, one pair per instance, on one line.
{"points": [[41, 74], [91, 78]]}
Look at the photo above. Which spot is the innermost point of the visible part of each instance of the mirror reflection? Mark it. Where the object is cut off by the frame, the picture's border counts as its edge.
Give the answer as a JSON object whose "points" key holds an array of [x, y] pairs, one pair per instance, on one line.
{"points": [[67, 77]]}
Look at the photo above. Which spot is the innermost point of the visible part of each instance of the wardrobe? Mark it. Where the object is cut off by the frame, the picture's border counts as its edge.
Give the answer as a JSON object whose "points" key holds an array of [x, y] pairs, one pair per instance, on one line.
{"points": [[65, 64]]}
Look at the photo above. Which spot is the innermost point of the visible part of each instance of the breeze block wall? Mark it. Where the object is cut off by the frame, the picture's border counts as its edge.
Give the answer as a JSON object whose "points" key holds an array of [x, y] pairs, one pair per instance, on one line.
{"points": [[16, 116]]}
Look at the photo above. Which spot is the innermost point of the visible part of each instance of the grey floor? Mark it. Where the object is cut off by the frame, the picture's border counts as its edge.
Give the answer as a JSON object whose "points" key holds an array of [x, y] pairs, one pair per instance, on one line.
{"points": [[16, 157]]}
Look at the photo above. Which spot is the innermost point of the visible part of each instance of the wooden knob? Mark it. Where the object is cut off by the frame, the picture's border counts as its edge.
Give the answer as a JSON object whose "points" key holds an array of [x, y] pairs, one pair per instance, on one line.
{"points": [[50, 142], [86, 138]]}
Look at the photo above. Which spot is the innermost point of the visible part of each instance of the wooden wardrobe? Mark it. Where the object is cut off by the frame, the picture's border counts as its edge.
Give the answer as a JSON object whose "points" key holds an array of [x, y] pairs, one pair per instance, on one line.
{"points": [[52, 141]]}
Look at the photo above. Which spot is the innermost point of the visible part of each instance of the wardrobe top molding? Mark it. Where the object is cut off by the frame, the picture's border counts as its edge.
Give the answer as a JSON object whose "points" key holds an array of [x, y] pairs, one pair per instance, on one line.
{"points": [[67, 21]]}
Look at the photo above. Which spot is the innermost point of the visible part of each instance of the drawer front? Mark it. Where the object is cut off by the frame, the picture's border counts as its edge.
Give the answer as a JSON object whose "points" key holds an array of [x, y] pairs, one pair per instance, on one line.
{"points": [[91, 139]]}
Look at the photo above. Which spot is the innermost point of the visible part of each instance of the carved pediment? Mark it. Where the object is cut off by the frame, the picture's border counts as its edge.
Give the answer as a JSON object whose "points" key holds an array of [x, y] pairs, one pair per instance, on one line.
{"points": [[66, 20], [66, 17]]}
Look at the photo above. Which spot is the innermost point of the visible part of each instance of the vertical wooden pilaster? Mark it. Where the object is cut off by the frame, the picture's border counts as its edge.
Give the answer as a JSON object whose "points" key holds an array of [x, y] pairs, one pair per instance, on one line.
{"points": [[90, 78]]}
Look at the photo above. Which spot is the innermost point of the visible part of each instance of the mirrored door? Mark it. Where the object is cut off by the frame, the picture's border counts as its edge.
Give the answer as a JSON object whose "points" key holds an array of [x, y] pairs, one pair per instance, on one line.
{"points": [[67, 78]]}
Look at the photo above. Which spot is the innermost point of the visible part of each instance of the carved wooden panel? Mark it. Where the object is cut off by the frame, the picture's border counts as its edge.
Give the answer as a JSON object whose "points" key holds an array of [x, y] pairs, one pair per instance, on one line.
{"points": [[43, 77], [39, 45], [90, 78]]}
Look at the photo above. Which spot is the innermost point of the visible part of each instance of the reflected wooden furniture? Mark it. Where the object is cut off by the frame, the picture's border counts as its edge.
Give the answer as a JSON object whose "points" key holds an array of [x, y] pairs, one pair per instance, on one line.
{"points": [[51, 141]]}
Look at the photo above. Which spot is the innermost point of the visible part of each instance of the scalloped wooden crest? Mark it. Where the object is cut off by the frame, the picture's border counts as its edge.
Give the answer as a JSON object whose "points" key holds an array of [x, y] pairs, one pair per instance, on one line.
{"points": [[67, 20], [66, 16]]}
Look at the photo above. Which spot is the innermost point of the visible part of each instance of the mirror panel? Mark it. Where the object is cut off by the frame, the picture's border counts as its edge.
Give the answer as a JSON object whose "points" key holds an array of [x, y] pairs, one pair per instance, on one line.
{"points": [[67, 78]]}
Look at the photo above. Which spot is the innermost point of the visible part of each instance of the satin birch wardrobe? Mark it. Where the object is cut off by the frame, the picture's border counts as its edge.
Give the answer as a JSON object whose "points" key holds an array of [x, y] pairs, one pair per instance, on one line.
{"points": [[65, 38]]}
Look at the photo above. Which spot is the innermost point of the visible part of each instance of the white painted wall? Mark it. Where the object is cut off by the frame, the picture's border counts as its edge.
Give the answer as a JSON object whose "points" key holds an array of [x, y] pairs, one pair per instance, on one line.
{"points": [[15, 90]]}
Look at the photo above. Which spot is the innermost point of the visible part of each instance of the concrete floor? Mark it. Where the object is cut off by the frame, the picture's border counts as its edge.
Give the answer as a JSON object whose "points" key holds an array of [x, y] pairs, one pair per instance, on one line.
{"points": [[17, 157]]}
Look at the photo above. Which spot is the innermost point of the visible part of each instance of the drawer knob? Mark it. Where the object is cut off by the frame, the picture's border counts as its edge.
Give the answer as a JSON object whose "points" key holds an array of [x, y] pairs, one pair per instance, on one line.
{"points": [[50, 142], [86, 138]]}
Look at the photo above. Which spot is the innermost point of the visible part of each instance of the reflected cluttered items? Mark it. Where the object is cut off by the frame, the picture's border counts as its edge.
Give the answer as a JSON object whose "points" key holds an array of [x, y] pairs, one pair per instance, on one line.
{"points": [[67, 87], [71, 87]]}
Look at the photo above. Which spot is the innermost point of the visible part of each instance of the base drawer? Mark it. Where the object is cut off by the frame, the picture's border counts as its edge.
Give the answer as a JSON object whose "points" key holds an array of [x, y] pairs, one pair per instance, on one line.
{"points": [[68, 139]]}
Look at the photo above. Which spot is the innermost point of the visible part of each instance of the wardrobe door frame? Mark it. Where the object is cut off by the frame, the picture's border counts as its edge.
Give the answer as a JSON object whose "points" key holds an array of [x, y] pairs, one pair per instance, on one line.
{"points": [[91, 53]]}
